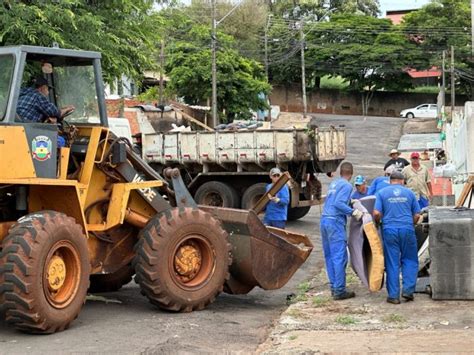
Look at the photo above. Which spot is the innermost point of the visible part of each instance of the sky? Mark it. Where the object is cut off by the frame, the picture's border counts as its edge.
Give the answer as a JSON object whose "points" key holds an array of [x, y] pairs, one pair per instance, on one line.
{"points": [[400, 5]]}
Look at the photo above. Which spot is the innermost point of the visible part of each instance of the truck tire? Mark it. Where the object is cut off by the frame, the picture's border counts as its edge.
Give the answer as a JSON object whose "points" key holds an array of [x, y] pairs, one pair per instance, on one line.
{"points": [[252, 195], [219, 194], [182, 260], [111, 282], [295, 213], [45, 272]]}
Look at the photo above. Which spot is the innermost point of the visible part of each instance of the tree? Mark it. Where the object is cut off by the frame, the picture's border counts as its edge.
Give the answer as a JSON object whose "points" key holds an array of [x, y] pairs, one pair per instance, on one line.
{"points": [[440, 25], [239, 80], [284, 36], [370, 53], [122, 30]]}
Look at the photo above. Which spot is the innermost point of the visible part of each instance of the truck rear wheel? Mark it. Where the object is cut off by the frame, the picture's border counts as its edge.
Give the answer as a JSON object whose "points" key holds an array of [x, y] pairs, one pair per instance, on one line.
{"points": [[252, 195], [45, 267], [182, 260], [219, 194], [295, 213], [111, 282]]}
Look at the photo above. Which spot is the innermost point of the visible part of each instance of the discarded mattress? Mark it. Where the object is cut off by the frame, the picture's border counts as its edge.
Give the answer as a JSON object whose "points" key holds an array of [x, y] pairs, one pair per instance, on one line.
{"points": [[365, 246]]}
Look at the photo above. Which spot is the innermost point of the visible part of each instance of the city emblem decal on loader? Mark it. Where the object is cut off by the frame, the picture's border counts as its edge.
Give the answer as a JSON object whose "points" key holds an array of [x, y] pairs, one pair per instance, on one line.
{"points": [[41, 148]]}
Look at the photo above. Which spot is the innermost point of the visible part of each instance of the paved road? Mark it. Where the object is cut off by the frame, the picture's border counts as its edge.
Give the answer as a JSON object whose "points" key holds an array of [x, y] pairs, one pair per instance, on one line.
{"points": [[232, 323]]}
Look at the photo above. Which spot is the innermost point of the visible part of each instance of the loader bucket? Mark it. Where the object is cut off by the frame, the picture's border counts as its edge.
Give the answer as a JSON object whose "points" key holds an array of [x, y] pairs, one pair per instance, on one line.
{"points": [[264, 257]]}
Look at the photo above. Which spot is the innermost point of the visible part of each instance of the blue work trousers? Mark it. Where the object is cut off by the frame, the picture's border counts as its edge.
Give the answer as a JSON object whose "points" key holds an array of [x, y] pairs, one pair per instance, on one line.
{"points": [[273, 223], [423, 202], [400, 251], [333, 234]]}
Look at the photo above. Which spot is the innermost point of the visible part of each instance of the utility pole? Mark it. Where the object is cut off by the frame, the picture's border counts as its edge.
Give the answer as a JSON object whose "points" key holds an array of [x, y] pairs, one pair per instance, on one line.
{"points": [[303, 69], [443, 87], [472, 27], [214, 66], [162, 68], [266, 65], [453, 93]]}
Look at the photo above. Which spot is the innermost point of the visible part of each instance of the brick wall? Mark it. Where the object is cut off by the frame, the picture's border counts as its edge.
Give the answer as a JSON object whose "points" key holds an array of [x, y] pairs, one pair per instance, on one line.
{"points": [[350, 103]]}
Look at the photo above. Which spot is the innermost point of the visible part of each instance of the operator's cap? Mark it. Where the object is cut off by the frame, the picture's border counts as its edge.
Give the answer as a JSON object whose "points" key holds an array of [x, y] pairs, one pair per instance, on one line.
{"points": [[40, 81], [415, 155], [396, 175], [359, 180], [275, 171], [393, 151]]}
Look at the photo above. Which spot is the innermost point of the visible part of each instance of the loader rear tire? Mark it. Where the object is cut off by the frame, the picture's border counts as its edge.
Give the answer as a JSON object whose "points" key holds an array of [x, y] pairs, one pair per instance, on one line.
{"points": [[45, 271], [216, 193], [252, 195], [295, 213], [182, 260], [111, 282]]}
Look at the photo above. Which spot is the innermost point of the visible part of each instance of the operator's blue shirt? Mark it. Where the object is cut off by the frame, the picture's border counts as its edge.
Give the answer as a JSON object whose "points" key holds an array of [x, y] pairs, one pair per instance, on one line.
{"points": [[35, 107], [337, 200], [356, 195], [397, 205], [378, 184], [278, 211]]}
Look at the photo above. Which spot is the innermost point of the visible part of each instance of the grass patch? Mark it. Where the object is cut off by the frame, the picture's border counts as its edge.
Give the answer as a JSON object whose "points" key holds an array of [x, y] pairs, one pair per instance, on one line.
{"points": [[295, 313], [320, 301], [303, 287], [394, 318], [345, 320], [293, 337]]}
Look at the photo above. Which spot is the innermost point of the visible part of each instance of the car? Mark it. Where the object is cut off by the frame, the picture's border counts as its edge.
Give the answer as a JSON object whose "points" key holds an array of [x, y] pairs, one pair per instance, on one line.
{"points": [[422, 111]]}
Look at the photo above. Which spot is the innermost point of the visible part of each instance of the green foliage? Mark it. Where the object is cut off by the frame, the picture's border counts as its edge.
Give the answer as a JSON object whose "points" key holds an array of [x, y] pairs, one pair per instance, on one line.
{"points": [[121, 30], [440, 25], [334, 83], [239, 80]]}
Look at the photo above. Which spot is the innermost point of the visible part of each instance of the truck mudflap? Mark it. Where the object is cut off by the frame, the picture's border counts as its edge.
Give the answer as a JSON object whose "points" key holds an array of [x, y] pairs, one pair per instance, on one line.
{"points": [[262, 256]]}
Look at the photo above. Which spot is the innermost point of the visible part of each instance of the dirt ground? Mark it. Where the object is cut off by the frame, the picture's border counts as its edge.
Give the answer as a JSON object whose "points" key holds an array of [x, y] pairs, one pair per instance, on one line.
{"points": [[316, 323]]}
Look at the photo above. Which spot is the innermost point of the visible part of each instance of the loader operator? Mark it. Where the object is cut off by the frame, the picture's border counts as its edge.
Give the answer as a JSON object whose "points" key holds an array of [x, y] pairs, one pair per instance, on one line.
{"points": [[34, 106], [333, 231], [396, 206]]}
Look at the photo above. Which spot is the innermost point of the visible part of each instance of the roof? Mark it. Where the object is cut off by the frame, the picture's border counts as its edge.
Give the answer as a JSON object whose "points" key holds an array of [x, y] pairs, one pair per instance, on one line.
{"points": [[53, 51], [430, 73]]}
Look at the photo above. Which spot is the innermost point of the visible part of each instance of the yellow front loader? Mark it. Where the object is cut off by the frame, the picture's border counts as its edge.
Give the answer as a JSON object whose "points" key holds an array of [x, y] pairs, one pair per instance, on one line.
{"points": [[79, 210]]}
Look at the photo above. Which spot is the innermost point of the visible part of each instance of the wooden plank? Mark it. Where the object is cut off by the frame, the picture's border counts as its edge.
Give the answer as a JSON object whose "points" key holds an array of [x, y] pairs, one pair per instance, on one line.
{"points": [[466, 191], [282, 180], [191, 118]]}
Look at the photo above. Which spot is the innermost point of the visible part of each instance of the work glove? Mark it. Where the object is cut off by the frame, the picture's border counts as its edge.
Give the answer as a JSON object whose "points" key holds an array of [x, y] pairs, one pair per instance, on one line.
{"points": [[419, 220], [357, 214]]}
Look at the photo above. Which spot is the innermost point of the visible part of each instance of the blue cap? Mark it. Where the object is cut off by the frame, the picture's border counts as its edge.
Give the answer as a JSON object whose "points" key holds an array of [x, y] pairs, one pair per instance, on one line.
{"points": [[359, 180]]}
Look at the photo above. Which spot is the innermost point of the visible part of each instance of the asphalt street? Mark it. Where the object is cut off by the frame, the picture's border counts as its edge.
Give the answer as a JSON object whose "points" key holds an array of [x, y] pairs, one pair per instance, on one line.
{"points": [[128, 323]]}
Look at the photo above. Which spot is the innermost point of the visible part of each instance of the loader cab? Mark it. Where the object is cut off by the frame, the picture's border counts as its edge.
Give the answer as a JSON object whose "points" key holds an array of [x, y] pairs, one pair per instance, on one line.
{"points": [[75, 78]]}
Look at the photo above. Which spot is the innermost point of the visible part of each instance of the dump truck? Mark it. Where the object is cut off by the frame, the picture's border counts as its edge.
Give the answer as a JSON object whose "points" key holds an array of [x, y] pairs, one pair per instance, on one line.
{"points": [[230, 168], [89, 213]]}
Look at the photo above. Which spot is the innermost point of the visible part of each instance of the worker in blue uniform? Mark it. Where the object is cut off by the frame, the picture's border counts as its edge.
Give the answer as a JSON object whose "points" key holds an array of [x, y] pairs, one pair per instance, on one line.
{"points": [[397, 208], [276, 211], [333, 231], [382, 181], [360, 188]]}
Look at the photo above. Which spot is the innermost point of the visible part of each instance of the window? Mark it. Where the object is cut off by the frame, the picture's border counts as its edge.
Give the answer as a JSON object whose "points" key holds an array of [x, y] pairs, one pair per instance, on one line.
{"points": [[422, 107], [7, 63], [75, 85], [433, 107]]}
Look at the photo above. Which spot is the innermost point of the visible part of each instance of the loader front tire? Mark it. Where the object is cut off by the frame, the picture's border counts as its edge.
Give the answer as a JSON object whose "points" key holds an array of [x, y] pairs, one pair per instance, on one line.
{"points": [[45, 271], [182, 260]]}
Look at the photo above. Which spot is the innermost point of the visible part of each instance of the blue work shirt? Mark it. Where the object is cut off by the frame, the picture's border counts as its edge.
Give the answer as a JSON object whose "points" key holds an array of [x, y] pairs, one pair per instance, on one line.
{"points": [[356, 195], [378, 184], [337, 200], [278, 211], [398, 205], [35, 107]]}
